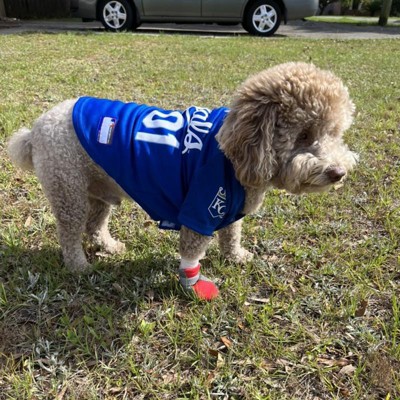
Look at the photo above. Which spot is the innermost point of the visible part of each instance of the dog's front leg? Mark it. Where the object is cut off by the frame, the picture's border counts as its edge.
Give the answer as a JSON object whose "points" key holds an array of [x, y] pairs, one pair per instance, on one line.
{"points": [[192, 248], [229, 243]]}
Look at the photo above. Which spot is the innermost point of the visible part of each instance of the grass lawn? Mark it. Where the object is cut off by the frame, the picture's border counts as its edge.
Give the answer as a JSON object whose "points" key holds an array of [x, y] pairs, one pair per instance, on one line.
{"points": [[316, 315], [353, 20]]}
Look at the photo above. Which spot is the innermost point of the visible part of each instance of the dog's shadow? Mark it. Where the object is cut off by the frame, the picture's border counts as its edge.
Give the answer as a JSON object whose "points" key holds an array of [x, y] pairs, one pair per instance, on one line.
{"points": [[43, 304]]}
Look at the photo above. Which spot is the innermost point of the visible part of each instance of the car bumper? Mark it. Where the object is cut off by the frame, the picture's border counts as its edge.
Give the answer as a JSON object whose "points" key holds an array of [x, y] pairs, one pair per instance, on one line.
{"points": [[301, 9]]}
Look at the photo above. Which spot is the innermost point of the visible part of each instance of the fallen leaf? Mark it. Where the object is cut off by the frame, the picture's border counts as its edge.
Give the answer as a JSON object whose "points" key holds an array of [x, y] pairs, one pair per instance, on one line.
{"points": [[115, 389], [213, 352], [347, 370], [260, 300], [220, 361], [345, 392], [210, 376], [282, 361], [117, 287], [179, 315], [28, 222], [169, 377], [332, 362], [226, 342], [360, 312], [267, 365]]}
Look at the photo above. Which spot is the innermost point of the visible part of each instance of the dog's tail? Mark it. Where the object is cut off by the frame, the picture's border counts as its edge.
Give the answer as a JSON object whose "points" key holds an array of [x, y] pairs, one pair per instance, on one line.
{"points": [[20, 149]]}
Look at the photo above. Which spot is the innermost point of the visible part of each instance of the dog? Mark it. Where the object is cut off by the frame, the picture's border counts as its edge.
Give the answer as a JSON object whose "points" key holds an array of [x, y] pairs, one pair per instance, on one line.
{"points": [[196, 171]]}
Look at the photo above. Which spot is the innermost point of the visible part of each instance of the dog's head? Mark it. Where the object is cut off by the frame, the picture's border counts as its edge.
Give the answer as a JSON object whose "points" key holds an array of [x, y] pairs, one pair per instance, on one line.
{"points": [[285, 128]]}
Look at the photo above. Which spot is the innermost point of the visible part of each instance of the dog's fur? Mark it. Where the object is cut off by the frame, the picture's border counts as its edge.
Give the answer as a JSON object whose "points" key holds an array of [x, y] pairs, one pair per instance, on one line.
{"points": [[284, 130]]}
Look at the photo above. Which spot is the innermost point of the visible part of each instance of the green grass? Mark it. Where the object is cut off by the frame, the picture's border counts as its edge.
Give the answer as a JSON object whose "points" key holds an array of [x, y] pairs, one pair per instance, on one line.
{"points": [[353, 20], [316, 315]]}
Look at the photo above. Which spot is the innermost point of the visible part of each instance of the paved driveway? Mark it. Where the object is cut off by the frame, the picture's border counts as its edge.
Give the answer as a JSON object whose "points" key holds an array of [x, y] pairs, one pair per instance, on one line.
{"points": [[301, 29]]}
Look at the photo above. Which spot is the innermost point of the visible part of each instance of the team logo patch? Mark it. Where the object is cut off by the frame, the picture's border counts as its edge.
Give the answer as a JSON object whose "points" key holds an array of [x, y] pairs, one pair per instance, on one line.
{"points": [[217, 208], [106, 130]]}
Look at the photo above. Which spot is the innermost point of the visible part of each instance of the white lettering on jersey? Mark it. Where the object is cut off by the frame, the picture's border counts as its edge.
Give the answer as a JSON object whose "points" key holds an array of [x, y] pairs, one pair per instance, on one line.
{"points": [[159, 120], [218, 205], [197, 125], [169, 139], [163, 125]]}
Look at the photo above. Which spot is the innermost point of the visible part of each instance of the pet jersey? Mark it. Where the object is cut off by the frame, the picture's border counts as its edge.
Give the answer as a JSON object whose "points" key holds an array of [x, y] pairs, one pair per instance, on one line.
{"points": [[168, 161]]}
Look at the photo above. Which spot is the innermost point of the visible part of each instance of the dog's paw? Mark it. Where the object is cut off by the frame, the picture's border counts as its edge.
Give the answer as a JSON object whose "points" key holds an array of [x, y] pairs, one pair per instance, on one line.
{"points": [[114, 247], [240, 256], [80, 267]]}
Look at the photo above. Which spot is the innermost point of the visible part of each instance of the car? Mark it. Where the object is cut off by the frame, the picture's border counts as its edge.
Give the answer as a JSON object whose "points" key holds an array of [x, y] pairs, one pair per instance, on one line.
{"points": [[258, 17]]}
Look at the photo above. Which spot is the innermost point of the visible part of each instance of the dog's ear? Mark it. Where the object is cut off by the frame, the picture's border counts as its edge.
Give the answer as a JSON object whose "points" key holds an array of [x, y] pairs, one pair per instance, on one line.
{"points": [[246, 138]]}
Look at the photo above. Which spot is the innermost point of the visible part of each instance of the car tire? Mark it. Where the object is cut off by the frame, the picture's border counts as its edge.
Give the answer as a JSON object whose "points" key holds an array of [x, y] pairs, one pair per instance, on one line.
{"points": [[116, 15], [262, 18]]}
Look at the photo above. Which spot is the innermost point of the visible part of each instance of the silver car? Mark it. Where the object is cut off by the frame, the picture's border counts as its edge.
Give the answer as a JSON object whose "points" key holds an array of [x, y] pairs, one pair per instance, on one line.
{"points": [[258, 17]]}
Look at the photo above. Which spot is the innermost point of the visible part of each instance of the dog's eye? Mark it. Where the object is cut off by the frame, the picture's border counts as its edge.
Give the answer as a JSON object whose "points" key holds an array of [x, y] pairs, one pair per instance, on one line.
{"points": [[303, 137]]}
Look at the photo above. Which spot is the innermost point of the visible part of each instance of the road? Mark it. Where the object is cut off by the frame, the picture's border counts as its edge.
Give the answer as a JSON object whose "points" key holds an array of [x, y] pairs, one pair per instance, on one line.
{"points": [[299, 29]]}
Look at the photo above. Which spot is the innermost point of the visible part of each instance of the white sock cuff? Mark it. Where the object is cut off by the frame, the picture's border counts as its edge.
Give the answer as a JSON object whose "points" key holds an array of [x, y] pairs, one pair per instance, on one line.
{"points": [[185, 263]]}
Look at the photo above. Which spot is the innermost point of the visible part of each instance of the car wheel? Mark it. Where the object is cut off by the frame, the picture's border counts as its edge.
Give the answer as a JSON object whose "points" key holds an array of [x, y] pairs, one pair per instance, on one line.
{"points": [[116, 15], [262, 18]]}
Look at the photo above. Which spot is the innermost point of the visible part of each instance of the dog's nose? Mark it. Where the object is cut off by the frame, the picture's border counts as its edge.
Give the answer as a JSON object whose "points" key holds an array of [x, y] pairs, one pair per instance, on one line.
{"points": [[335, 174]]}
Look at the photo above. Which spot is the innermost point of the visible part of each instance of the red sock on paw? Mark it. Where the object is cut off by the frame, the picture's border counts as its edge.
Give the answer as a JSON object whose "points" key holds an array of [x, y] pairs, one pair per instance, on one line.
{"points": [[191, 279], [205, 290]]}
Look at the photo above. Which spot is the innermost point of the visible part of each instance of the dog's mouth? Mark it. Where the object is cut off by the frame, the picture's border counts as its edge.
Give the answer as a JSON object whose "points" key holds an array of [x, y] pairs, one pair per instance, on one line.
{"points": [[318, 181], [331, 176]]}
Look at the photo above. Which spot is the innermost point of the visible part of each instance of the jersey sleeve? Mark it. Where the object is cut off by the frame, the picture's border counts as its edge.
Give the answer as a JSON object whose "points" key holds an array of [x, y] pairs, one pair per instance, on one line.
{"points": [[210, 203]]}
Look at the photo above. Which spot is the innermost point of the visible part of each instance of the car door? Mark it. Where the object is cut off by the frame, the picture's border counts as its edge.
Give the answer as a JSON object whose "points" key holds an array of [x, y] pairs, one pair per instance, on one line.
{"points": [[222, 8], [171, 8]]}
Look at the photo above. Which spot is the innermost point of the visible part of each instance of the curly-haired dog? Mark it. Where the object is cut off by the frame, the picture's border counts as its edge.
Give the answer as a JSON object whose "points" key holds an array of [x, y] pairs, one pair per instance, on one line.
{"points": [[198, 171]]}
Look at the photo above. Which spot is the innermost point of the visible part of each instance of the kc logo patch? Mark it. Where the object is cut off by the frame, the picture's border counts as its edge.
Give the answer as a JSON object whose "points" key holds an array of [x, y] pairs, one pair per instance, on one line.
{"points": [[218, 206]]}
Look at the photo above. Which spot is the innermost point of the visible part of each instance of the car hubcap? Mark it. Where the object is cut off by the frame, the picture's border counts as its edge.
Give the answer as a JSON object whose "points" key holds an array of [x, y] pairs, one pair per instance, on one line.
{"points": [[114, 14], [264, 18]]}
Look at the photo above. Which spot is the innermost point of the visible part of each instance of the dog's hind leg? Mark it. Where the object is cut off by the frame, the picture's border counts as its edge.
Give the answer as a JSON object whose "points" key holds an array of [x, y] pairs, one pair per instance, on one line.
{"points": [[97, 226], [61, 165], [69, 203]]}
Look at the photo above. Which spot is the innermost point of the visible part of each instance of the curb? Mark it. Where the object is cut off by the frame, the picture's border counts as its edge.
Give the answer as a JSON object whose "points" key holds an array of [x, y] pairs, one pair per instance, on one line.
{"points": [[9, 23]]}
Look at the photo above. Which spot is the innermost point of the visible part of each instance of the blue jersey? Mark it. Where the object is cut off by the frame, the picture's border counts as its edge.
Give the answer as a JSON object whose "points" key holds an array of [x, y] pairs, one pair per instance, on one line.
{"points": [[169, 162]]}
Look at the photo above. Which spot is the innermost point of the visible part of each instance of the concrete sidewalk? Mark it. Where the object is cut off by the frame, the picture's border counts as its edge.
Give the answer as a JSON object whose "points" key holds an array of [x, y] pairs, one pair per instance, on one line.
{"points": [[299, 29]]}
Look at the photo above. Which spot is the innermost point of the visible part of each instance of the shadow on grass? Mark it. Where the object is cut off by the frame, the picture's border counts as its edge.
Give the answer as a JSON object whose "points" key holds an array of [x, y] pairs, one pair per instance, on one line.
{"points": [[79, 317]]}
